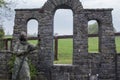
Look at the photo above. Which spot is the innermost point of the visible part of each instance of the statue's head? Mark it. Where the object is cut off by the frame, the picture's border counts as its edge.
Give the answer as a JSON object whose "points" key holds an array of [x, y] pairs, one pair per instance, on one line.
{"points": [[23, 36]]}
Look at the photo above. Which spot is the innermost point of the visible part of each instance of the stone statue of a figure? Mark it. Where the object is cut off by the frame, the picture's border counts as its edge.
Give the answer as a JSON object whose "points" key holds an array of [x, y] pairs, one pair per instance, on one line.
{"points": [[93, 77], [22, 49]]}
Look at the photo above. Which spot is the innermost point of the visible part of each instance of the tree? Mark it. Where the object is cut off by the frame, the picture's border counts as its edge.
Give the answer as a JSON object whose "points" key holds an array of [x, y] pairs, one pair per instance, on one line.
{"points": [[2, 33], [2, 2], [1, 36], [93, 28], [6, 10]]}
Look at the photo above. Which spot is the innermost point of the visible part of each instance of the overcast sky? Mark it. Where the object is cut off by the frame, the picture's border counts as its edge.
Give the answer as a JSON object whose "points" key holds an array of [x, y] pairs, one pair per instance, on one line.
{"points": [[63, 19]]}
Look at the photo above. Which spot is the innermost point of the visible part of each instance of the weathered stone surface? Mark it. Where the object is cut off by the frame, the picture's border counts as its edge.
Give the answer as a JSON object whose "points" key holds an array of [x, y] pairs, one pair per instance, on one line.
{"points": [[105, 64]]}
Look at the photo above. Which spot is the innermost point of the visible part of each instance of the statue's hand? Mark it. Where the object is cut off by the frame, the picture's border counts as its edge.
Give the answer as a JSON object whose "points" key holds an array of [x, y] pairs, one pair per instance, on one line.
{"points": [[22, 53]]}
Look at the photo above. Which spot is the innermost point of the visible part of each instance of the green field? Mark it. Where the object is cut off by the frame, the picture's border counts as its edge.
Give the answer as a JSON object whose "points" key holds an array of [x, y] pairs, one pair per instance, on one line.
{"points": [[65, 52], [65, 49], [117, 42], [8, 36]]}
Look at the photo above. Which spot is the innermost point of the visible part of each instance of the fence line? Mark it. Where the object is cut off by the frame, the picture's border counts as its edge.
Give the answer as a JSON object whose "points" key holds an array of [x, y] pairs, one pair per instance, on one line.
{"points": [[8, 46]]}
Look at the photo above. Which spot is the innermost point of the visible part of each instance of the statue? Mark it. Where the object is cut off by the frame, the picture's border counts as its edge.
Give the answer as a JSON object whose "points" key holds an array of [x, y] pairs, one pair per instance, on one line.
{"points": [[21, 69], [93, 77]]}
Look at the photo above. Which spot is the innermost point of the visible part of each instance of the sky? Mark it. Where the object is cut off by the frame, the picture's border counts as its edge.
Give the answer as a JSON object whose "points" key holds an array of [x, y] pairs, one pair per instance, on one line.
{"points": [[63, 19]]}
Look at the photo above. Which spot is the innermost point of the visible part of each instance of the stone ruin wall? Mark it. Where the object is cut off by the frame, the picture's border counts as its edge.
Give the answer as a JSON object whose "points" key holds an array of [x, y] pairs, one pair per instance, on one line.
{"points": [[103, 63], [57, 70]]}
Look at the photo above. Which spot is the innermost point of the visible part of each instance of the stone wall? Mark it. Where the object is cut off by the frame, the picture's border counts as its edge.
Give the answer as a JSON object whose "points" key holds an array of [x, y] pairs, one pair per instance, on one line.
{"points": [[71, 72], [56, 72], [118, 66], [4, 58], [76, 72], [84, 64]]}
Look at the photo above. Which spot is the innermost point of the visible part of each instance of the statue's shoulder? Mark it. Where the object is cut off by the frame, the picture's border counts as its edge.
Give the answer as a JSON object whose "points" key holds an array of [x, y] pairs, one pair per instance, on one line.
{"points": [[17, 43]]}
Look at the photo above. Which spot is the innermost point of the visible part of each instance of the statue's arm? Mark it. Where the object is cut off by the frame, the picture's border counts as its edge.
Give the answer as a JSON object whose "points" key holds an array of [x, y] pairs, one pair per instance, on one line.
{"points": [[21, 53], [17, 51], [32, 48]]}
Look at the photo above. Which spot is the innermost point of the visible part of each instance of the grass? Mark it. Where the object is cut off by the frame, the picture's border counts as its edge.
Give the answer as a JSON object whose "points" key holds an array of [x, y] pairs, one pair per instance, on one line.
{"points": [[65, 48], [93, 45], [117, 42], [33, 42], [8, 36], [65, 52]]}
